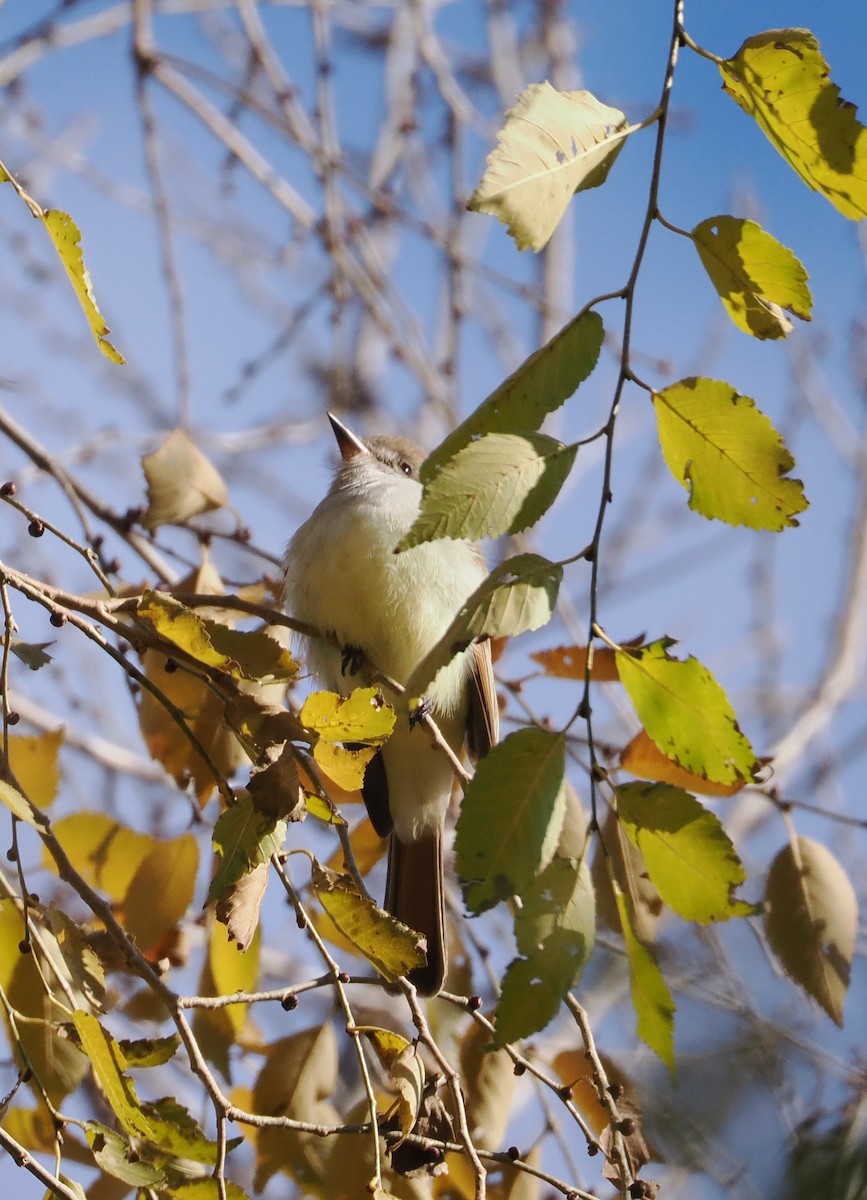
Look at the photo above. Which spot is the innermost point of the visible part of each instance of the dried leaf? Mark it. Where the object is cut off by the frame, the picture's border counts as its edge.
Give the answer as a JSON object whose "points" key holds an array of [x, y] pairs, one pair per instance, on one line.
{"points": [[181, 483]]}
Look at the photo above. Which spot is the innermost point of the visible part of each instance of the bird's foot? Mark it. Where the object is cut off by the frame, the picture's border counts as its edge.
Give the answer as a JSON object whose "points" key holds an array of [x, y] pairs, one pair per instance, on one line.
{"points": [[352, 661], [419, 709]]}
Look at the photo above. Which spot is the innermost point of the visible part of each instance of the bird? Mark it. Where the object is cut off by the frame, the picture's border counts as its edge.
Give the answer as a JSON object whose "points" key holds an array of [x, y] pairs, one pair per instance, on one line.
{"points": [[343, 576]]}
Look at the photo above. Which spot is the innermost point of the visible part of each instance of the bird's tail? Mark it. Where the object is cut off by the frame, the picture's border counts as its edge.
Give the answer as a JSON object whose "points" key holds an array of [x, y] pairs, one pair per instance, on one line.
{"points": [[414, 894]]}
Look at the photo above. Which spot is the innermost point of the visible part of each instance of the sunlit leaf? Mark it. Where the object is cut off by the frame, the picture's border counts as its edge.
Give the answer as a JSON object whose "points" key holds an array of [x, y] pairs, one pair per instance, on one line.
{"points": [[390, 946], [66, 237], [17, 803], [755, 275], [407, 1077], [244, 654], [206, 1189], [34, 760], [519, 595], [552, 145], [782, 80], [651, 998], [642, 757], [181, 482], [502, 483], [539, 386], [811, 920], [518, 792], [686, 713], [689, 856], [362, 716], [85, 971], [387, 1044], [727, 455]]}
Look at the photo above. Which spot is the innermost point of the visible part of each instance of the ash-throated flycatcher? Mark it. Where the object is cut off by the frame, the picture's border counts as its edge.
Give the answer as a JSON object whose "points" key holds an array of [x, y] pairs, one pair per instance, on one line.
{"points": [[343, 577]]}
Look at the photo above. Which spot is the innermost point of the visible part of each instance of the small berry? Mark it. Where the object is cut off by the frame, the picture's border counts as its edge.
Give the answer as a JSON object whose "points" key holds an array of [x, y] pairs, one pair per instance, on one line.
{"points": [[520, 1068], [637, 1190], [626, 1126], [24, 947], [592, 1149], [58, 619], [343, 977], [615, 1091], [514, 1153], [9, 488], [12, 854], [36, 528], [170, 666], [12, 718], [474, 1003], [114, 567], [288, 1003]]}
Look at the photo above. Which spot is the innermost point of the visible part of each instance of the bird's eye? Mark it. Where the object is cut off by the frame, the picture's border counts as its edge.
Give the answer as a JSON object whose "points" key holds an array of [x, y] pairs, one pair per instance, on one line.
{"points": [[406, 468]]}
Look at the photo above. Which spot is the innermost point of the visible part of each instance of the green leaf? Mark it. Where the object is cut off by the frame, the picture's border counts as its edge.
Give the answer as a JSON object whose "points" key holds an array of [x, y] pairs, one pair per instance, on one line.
{"points": [[552, 145], [503, 483], [811, 920], [727, 454], [560, 899], [244, 654], [539, 386], [689, 856], [555, 930], [109, 1065], [114, 1155], [510, 817], [651, 998], [392, 947], [244, 839], [518, 596], [178, 1135], [686, 713], [782, 80], [756, 276], [149, 1052], [533, 989]]}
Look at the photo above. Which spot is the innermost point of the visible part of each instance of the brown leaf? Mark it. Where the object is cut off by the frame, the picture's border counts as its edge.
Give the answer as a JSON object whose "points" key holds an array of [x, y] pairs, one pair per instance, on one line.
{"points": [[488, 1079], [276, 788], [181, 482], [239, 909], [626, 865]]}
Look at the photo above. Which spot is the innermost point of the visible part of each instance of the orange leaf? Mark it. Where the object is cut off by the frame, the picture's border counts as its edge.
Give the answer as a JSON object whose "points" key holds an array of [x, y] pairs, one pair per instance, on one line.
{"points": [[642, 757]]}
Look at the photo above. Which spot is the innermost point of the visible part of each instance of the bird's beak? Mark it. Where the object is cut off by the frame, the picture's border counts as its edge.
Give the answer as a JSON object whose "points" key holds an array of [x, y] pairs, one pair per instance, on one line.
{"points": [[348, 443]]}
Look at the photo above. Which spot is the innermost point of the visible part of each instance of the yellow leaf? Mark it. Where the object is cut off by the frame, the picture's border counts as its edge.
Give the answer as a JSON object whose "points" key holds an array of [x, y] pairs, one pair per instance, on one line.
{"points": [[387, 1044], [34, 762], [66, 237], [345, 767], [390, 946], [105, 852], [181, 482], [203, 710], [552, 145], [233, 970], [363, 716], [161, 891], [782, 80]]}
